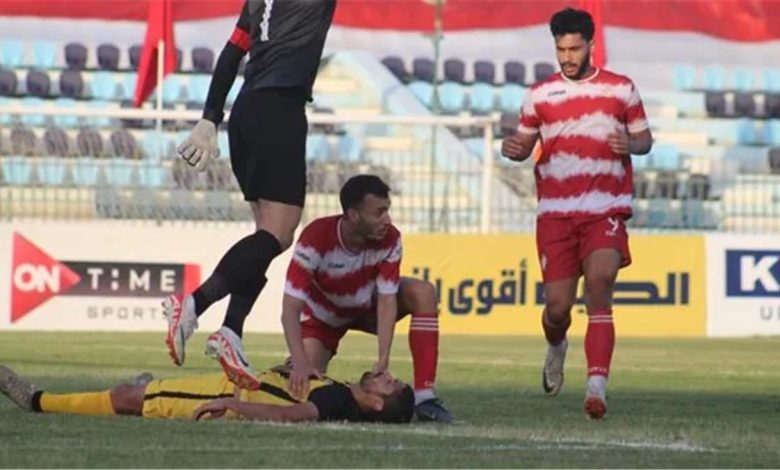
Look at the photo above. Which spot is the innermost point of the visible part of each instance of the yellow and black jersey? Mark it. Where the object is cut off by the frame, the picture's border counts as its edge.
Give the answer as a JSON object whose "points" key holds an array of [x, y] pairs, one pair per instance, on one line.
{"points": [[179, 398]]}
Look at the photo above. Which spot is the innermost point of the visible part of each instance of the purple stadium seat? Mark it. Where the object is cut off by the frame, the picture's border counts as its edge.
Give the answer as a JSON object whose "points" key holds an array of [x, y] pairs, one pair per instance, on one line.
{"points": [[772, 105], [715, 103], [744, 104], [89, 143], [774, 160], [514, 72], [454, 70], [396, 66], [38, 83], [71, 84], [108, 57], [76, 56], [8, 83], [56, 142], [24, 142], [484, 72], [543, 70], [134, 53], [123, 145], [423, 69], [202, 59]]}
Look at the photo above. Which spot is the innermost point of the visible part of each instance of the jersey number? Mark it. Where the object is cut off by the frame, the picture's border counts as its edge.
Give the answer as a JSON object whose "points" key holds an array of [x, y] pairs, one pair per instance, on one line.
{"points": [[265, 24]]}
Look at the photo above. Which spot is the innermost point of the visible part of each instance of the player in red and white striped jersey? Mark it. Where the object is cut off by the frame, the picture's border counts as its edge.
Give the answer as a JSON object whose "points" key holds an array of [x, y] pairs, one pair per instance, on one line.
{"points": [[345, 275], [589, 121]]}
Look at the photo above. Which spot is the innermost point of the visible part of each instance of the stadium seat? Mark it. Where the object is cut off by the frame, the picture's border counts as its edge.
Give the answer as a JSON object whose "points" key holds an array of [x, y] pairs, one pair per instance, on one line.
{"points": [[179, 59], [350, 148], [198, 89], [38, 83], [452, 97], [396, 66], [108, 57], [684, 77], [11, 53], [742, 79], [153, 176], [514, 72], [202, 60], [128, 87], [51, 171], [664, 157], [86, 172], [71, 84], [484, 72], [24, 142], [482, 99], [44, 54], [120, 172], [542, 70], [156, 146], [317, 148], [171, 90], [774, 160], [771, 79], [714, 78], [33, 120], [744, 104], [772, 105], [123, 145], [772, 132], [102, 86], [6, 119], [423, 91], [75, 56], [698, 187], [715, 103], [746, 132], [100, 122], [455, 71], [66, 120], [511, 98], [8, 83], [90, 143], [423, 69], [223, 142], [134, 55], [17, 170], [56, 142], [235, 90]]}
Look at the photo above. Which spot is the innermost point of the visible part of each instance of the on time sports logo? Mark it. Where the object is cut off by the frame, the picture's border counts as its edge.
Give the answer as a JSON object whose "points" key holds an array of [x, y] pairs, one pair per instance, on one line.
{"points": [[36, 277]]}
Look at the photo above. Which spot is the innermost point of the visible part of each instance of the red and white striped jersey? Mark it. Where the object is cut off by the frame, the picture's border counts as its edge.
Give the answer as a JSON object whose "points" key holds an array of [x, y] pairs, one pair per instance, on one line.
{"points": [[577, 173], [336, 284]]}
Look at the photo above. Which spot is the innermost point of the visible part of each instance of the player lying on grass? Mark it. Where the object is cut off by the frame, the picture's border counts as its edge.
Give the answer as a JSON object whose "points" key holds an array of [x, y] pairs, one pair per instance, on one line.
{"points": [[377, 397]]}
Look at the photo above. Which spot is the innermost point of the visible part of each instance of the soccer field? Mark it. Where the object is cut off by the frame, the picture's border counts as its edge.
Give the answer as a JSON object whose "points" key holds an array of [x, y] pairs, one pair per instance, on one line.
{"points": [[672, 403]]}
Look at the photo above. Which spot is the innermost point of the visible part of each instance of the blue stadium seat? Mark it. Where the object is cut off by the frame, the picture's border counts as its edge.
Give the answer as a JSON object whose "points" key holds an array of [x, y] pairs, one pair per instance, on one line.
{"points": [[86, 172], [171, 89], [11, 53], [33, 120], [100, 121], [44, 54], [317, 147], [475, 145], [153, 176], [224, 144], [511, 98], [103, 86], [17, 170], [128, 87], [664, 157], [684, 77], [452, 97], [742, 79], [640, 162], [482, 98], [771, 78], [423, 91], [772, 132], [746, 132], [51, 171], [5, 118], [714, 78], [350, 148], [235, 90], [67, 120], [155, 146], [120, 172], [198, 89]]}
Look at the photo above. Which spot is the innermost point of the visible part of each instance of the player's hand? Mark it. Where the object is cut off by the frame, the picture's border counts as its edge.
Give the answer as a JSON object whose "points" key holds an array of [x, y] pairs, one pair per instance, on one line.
{"points": [[214, 409], [299, 380], [512, 148], [201, 146], [380, 366], [619, 141]]}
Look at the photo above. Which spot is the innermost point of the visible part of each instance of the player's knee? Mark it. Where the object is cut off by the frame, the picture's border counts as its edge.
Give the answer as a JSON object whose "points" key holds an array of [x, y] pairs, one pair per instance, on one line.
{"points": [[127, 399], [420, 296], [599, 284], [558, 308]]}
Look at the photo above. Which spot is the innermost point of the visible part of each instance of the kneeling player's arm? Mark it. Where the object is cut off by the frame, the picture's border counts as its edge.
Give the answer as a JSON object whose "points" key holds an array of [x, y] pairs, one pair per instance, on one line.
{"points": [[291, 324], [287, 414]]}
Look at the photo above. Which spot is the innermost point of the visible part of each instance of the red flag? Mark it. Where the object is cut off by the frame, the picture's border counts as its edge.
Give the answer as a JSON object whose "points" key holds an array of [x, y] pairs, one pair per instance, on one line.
{"points": [[159, 27], [596, 10]]}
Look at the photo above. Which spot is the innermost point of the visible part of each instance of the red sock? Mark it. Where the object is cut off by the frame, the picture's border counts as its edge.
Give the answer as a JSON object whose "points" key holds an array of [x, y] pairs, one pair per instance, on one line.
{"points": [[599, 341], [555, 332], [424, 344]]}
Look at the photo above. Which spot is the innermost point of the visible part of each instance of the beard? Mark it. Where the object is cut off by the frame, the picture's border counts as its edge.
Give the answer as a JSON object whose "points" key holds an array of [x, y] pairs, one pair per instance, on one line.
{"points": [[580, 73]]}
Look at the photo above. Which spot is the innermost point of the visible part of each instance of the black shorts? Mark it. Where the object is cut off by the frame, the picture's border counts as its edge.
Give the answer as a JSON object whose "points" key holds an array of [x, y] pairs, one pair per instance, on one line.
{"points": [[267, 133]]}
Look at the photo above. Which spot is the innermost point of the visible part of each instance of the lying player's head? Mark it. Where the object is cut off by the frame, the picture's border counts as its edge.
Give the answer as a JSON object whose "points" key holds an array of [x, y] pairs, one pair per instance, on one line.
{"points": [[365, 200], [394, 398], [573, 33]]}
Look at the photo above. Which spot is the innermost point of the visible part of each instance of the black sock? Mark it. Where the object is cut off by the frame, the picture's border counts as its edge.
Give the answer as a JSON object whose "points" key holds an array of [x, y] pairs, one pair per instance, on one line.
{"points": [[241, 269], [239, 307]]}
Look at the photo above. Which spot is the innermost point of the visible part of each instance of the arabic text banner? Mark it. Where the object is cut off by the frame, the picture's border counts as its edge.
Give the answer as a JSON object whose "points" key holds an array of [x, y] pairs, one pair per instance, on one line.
{"points": [[492, 284]]}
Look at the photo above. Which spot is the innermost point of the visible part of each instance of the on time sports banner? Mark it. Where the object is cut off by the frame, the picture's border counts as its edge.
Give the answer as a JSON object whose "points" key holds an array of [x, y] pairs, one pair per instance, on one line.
{"points": [[493, 285]]}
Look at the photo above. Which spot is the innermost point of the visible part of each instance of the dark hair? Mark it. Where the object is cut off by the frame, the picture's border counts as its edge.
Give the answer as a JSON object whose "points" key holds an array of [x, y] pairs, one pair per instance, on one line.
{"points": [[398, 408], [571, 21], [357, 187]]}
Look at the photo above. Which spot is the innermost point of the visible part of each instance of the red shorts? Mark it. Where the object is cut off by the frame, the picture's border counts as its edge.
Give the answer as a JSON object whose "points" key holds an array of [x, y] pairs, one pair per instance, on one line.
{"points": [[330, 336], [563, 244]]}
